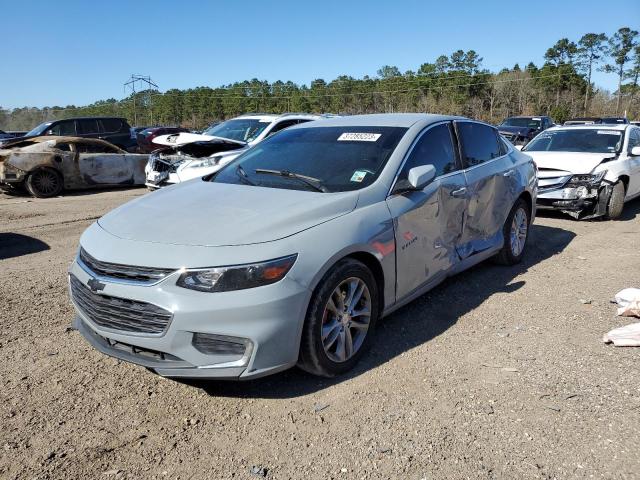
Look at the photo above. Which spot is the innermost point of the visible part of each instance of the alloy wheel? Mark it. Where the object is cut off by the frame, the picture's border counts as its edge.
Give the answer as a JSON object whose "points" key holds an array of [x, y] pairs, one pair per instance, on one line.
{"points": [[345, 320], [519, 229]]}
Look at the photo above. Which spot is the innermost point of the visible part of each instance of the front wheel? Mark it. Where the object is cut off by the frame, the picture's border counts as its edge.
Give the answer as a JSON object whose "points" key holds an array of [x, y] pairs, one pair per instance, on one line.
{"points": [[616, 201], [516, 233], [44, 183], [340, 320]]}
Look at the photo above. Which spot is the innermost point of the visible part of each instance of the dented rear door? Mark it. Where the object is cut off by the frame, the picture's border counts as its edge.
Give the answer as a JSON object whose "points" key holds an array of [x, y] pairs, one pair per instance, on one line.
{"points": [[493, 185]]}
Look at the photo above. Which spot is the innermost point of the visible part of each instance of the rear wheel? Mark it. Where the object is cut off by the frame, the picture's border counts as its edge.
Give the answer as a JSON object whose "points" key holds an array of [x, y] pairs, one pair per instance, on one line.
{"points": [[340, 320], [516, 233], [616, 201], [44, 183]]}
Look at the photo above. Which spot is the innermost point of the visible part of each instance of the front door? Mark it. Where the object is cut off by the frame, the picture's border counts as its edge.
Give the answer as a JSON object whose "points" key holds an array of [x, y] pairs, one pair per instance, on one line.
{"points": [[428, 223], [492, 181]]}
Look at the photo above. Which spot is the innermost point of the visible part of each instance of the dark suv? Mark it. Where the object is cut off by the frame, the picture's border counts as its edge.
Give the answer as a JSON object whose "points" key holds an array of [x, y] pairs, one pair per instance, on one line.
{"points": [[112, 129], [520, 130]]}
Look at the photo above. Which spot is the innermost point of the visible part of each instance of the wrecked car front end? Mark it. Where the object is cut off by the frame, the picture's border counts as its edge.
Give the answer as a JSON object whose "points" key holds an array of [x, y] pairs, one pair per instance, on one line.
{"points": [[11, 176], [192, 160], [581, 196]]}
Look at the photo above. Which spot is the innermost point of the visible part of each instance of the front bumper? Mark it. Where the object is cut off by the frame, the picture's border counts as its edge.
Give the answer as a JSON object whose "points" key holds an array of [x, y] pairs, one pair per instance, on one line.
{"points": [[580, 202], [269, 318]]}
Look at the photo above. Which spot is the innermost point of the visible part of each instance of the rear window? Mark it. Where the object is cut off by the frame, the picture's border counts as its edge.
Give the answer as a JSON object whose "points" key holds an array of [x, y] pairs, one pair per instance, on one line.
{"points": [[340, 158], [111, 124], [479, 142], [63, 128], [87, 127]]}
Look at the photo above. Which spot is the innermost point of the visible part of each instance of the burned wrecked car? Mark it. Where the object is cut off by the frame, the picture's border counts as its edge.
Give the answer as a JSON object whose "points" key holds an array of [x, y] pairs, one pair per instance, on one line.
{"points": [[184, 162], [47, 165], [587, 171]]}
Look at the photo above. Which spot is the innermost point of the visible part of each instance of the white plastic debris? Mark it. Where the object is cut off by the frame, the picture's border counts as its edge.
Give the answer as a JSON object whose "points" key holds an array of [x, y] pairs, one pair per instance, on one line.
{"points": [[628, 301]]}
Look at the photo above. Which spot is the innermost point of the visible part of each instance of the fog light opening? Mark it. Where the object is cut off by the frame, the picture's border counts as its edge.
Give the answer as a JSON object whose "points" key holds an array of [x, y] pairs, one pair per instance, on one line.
{"points": [[237, 350]]}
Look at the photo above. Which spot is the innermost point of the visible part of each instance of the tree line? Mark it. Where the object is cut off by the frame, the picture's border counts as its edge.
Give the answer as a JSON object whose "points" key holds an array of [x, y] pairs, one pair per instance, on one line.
{"points": [[457, 84]]}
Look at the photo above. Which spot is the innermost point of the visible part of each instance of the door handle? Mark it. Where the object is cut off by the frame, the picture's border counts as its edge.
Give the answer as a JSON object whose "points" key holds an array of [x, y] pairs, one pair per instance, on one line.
{"points": [[509, 173], [459, 193]]}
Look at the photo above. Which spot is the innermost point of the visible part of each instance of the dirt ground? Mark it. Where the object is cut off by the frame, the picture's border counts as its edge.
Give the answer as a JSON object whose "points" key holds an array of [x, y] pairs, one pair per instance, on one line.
{"points": [[498, 373]]}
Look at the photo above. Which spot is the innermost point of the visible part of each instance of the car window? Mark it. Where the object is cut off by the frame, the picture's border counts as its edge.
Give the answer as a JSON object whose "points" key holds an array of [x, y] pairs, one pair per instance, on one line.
{"points": [[63, 128], [63, 146], [341, 158], [634, 138], [479, 142], [110, 125], [282, 125], [95, 148], [87, 127], [435, 147], [588, 140]]}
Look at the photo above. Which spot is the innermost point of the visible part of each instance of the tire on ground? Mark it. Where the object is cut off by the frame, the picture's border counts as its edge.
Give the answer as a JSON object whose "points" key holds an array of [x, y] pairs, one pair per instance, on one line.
{"points": [[616, 201], [312, 357], [506, 256], [44, 183]]}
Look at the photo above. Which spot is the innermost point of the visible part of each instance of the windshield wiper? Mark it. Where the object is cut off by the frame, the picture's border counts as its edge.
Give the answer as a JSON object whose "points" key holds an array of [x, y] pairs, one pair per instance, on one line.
{"points": [[240, 172], [312, 182]]}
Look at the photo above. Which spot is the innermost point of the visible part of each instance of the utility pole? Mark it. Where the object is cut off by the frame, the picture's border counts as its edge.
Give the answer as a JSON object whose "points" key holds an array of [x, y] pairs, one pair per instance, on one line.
{"points": [[147, 84]]}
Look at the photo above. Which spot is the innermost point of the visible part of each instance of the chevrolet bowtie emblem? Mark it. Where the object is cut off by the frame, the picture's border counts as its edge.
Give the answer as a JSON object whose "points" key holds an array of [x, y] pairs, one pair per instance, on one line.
{"points": [[95, 285]]}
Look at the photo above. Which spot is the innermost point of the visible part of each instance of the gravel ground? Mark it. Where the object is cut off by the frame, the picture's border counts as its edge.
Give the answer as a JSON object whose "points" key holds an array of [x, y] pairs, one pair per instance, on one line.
{"points": [[498, 373]]}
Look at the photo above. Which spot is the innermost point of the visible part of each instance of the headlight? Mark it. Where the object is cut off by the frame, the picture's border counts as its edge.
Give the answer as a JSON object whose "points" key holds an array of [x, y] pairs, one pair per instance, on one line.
{"points": [[208, 162], [239, 277], [587, 179]]}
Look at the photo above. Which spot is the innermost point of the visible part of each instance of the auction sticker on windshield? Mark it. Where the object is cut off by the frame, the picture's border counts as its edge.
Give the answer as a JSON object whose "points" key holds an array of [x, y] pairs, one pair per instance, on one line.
{"points": [[359, 137], [358, 176]]}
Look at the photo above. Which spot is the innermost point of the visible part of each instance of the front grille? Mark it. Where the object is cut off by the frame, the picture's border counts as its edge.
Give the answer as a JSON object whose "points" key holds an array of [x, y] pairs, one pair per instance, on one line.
{"points": [[143, 275], [158, 165], [117, 313]]}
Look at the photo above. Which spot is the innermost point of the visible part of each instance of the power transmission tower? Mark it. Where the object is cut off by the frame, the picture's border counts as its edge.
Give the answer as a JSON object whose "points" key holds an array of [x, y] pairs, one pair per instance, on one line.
{"points": [[146, 83]]}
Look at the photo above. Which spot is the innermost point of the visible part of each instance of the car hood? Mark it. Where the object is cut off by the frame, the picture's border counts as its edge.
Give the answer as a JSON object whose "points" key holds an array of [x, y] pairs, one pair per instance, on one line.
{"points": [[217, 214], [174, 139], [515, 130], [576, 163]]}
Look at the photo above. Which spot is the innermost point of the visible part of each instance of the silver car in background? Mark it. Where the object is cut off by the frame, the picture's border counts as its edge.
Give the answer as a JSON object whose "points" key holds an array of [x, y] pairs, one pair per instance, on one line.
{"points": [[291, 253]]}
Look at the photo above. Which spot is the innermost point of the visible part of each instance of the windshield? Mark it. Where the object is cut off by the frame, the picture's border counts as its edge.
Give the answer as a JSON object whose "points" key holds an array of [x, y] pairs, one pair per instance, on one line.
{"points": [[338, 158], [579, 140], [521, 122], [241, 129], [39, 130]]}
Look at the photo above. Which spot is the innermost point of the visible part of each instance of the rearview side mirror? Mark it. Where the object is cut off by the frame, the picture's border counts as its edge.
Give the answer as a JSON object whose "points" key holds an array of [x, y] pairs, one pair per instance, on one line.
{"points": [[420, 177], [635, 152]]}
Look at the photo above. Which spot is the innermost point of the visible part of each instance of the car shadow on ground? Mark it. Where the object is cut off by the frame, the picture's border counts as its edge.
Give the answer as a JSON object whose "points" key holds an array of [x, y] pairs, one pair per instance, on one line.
{"points": [[16, 245], [419, 322]]}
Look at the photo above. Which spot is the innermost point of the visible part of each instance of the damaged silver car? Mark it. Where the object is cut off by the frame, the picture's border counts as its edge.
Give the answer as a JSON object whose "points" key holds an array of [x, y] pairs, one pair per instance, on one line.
{"points": [[45, 166], [291, 253]]}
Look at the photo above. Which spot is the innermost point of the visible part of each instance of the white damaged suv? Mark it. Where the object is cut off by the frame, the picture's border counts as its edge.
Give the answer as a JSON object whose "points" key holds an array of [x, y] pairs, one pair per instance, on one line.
{"points": [[587, 171], [184, 156]]}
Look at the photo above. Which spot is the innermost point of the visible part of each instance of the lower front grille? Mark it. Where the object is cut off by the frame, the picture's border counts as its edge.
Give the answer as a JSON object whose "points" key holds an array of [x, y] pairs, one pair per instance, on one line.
{"points": [[158, 165], [120, 314]]}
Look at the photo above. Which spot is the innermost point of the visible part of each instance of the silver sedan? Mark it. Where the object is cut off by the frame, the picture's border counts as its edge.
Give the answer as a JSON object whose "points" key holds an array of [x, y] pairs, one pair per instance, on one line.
{"points": [[290, 254]]}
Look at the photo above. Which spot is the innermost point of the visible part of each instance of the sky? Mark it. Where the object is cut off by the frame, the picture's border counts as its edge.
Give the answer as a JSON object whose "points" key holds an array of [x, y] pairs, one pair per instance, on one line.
{"points": [[74, 52]]}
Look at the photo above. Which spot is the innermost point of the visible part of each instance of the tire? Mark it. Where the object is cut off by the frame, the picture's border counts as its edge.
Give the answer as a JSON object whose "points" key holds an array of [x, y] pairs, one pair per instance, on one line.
{"points": [[44, 183], [519, 215], [616, 201], [322, 357]]}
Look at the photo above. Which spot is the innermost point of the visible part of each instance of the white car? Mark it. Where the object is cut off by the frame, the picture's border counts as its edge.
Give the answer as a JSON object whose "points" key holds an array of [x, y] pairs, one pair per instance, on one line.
{"points": [[587, 171], [190, 155]]}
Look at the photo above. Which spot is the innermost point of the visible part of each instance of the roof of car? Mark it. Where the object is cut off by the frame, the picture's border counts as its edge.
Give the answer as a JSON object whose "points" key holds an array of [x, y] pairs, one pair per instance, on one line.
{"points": [[592, 126], [270, 117], [405, 120]]}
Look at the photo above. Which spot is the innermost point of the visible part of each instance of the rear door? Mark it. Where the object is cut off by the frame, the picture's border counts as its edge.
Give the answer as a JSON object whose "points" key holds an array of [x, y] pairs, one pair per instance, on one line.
{"points": [[428, 223], [493, 186], [103, 165]]}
